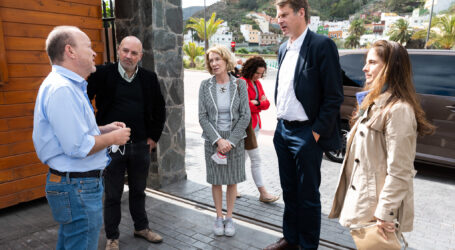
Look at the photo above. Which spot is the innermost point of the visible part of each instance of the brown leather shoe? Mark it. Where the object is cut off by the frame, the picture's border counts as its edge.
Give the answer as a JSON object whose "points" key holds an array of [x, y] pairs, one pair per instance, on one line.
{"points": [[281, 244], [148, 235]]}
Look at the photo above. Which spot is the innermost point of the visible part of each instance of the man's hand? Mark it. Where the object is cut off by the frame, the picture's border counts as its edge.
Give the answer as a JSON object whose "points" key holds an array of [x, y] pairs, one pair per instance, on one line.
{"points": [[223, 146], [111, 127], [316, 136], [151, 143], [385, 226], [120, 136]]}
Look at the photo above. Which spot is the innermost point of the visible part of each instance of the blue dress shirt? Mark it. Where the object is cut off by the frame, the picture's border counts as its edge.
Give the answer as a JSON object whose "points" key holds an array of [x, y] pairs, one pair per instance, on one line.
{"points": [[64, 124]]}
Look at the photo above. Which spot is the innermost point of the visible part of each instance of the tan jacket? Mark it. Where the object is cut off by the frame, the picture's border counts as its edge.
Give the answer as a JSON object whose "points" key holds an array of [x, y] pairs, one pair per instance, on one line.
{"points": [[376, 178]]}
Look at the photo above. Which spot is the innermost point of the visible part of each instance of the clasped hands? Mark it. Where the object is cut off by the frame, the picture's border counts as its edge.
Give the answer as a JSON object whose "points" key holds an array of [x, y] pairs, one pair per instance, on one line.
{"points": [[223, 146]]}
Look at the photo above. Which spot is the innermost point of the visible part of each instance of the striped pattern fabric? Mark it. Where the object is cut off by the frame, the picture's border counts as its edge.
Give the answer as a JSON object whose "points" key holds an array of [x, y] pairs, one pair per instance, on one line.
{"points": [[233, 172]]}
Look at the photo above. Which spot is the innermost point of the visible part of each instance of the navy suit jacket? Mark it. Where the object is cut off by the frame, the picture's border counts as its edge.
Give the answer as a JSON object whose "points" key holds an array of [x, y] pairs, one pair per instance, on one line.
{"points": [[318, 86]]}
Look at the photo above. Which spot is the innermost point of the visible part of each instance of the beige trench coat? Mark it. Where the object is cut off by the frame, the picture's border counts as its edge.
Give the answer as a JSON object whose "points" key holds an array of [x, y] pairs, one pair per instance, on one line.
{"points": [[376, 178]]}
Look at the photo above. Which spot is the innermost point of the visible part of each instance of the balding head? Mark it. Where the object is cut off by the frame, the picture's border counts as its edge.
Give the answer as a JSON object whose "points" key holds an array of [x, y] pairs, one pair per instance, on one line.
{"points": [[130, 53], [56, 41]]}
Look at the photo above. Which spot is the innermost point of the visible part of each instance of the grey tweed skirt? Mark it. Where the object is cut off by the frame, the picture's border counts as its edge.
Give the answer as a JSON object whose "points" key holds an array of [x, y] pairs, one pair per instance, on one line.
{"points": [[233, 172]]}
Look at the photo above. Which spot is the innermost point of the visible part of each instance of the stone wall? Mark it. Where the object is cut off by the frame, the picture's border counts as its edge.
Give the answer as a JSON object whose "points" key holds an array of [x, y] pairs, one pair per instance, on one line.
{"points": [[159, 25]]}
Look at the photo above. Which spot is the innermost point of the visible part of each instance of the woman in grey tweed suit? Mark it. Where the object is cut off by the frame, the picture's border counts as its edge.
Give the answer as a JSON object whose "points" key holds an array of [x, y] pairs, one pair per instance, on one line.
{"points": [[224, 115]]}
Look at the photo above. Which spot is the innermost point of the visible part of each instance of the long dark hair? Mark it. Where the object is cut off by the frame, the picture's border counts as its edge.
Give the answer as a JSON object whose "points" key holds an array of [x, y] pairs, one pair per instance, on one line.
{"points": [[397, 74], [251, 65]]}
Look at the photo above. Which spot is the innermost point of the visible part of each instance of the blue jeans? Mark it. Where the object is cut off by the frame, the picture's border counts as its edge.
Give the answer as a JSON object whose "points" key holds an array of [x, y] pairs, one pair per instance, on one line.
{"points": [[76, 204], [299, 160]]}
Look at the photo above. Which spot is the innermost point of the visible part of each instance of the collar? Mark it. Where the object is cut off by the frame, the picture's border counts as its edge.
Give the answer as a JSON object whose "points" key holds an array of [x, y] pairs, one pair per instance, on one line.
{"points": [[382, 99], [232, 79], [298, 42], [124, 75], [77, 79]]}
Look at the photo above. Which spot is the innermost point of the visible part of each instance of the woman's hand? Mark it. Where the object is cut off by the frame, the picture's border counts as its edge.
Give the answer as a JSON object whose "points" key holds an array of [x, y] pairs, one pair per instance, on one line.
{"points": [[254, 102], [224, 146], [263, 98], [385, 226]]}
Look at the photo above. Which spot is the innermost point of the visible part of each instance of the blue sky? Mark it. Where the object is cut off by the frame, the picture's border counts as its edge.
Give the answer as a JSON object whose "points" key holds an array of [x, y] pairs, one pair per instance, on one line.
{"points": [[189, 3]]}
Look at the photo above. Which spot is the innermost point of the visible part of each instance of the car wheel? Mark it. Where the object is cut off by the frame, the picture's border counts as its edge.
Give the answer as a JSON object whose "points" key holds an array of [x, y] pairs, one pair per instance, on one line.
{"points": [[338, 155]]}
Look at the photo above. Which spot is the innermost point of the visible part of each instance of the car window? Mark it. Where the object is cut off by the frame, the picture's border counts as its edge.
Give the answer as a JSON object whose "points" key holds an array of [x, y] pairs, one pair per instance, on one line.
{"points": [[351, 66], [434, 74]]}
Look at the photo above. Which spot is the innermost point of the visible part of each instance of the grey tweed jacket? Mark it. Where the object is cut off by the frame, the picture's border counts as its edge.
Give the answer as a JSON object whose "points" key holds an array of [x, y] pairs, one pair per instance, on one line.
{"points": [[208, 111]]}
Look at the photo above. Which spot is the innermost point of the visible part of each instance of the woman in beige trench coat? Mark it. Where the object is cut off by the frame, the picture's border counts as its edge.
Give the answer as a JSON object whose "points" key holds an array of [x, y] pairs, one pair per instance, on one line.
{"points": [[376, 179]]}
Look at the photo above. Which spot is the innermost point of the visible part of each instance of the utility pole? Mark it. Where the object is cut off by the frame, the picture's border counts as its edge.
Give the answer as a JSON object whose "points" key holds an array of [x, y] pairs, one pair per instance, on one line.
{"points": [[429, 24], [205, 31]]}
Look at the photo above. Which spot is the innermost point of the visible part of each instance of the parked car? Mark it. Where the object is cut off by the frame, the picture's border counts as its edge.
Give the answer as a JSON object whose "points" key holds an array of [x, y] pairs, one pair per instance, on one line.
{"points": [[434, 80]]}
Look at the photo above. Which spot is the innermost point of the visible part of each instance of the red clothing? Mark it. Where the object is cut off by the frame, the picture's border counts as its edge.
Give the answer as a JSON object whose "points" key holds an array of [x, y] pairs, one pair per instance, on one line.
{"points": [[263, 105]]}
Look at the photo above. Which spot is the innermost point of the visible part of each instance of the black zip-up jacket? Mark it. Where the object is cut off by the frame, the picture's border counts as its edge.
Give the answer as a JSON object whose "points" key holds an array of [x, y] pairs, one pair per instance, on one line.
{"points": [[102, 86]]}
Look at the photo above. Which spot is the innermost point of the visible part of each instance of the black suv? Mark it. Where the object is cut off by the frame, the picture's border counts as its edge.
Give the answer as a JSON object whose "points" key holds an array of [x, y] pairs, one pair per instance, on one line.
{"points": [[434, 80]]}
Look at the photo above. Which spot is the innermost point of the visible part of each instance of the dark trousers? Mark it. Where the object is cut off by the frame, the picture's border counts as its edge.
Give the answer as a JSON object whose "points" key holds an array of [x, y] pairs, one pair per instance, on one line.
{"points": [[136, 162], [299, 160]]}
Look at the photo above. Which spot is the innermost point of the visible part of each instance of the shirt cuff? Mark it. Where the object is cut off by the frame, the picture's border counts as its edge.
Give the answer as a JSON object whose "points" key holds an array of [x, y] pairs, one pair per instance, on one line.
{"points": [[86, 147], [233, 145], [385, 214]]}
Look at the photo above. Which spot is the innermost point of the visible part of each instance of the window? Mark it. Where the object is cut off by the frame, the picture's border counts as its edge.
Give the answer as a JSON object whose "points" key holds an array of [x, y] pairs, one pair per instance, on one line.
{"points": [[432, 74]]}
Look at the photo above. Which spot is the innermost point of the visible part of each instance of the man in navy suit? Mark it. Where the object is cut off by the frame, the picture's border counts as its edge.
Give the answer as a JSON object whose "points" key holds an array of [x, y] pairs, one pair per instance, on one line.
{"points": [[308, 96]]}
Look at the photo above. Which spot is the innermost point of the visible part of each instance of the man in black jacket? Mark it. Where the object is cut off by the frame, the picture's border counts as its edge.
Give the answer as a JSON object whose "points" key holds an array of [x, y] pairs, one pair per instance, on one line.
{"points": [[126, 92], [308, 96]]}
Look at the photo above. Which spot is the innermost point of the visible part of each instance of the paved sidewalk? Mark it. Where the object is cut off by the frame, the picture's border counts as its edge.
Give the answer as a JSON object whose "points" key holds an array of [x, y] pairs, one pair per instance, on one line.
{"points": [[30, 226]]}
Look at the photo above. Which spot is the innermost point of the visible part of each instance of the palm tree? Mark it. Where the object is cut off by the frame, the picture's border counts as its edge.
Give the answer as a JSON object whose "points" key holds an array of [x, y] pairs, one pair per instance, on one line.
{"points": [[352, 42], [442, 33], [357, 28], [400, 32], [197, 24], [193, 51]]}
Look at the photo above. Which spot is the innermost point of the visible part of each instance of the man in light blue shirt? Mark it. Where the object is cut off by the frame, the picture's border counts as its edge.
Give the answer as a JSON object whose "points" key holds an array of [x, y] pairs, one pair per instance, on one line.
{"points": [[67, 139]]}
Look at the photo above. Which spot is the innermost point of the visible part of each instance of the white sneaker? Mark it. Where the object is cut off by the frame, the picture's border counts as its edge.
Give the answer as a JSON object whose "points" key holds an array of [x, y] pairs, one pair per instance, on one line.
{"points": [[218, 228], [229, 229]]}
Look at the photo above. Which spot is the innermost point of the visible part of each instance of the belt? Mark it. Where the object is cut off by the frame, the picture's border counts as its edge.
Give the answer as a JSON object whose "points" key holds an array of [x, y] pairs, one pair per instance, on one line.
{"points": [[295, 123], [93, 173], [137, 142]]}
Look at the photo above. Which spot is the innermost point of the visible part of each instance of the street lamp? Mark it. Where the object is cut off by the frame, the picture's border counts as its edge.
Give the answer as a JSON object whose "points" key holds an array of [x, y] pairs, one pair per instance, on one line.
{"points": [[429, 25], [205, 31]]}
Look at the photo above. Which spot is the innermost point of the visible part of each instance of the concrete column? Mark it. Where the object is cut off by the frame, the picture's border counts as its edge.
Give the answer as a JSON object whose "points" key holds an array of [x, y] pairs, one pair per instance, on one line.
{"points": [[159, 25]]}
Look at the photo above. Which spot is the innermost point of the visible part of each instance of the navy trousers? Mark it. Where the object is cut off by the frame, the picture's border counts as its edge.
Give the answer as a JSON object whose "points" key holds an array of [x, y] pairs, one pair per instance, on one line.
{"points": [[299, 160]]}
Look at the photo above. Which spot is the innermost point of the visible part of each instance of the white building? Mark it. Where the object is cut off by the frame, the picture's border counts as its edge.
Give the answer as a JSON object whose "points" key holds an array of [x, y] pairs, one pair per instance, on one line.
{"points": [[369, 39], [418, 21], [439, 5], [251, 35], [314, 23], [389, 19], [222, 36], [262, 20]]}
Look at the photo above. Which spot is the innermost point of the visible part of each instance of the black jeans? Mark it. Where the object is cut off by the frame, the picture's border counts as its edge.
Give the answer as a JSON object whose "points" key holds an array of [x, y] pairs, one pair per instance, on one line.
{"points": [[135, 161]]}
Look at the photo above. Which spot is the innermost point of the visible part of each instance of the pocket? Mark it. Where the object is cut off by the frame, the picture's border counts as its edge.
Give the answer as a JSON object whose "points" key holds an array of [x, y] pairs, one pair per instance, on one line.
{"points": [[91, 189], [60, 206], [89, 186]]}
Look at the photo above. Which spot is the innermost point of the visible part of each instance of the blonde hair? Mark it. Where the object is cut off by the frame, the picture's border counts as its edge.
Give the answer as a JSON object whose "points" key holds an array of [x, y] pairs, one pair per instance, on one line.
{"points": [[224, 53]]}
